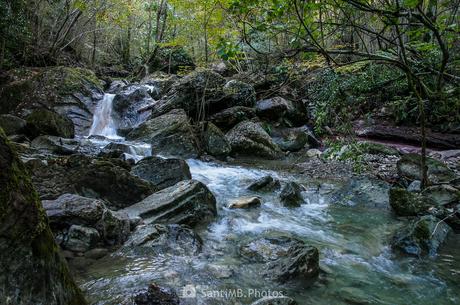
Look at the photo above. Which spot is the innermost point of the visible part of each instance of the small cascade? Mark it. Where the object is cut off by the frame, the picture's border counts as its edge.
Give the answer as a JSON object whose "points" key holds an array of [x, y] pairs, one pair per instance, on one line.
{"points": [[103, 124]]}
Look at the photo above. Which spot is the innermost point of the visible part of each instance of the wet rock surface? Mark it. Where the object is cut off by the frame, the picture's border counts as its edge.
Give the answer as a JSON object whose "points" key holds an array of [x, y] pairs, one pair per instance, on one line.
{"points": [[97, 178], [162, 172], [291, 195], [286, 258], [163, 240], [422, 236], [80, 223], [187, 202], [170, 134]]}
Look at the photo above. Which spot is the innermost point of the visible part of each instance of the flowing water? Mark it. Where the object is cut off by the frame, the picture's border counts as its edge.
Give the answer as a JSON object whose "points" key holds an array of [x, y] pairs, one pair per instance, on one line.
{"points": [[348, 221], [103, 123]]}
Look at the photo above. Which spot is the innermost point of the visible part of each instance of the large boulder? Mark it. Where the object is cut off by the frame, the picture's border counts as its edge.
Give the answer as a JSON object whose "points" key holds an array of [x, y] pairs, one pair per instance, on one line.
{"points": [[290, 139], [46, 122], [276, 108], [32, 271], [89, 177], [409, 168], [11, 124], [170, 134], [162, 172], [55, 145], [442, 195], [131, 105], [159, 82], [187, 202], [163, 239], [422, 236], [214, 141], [405, 203], [193, 93], [72, 93], [202, 93], [249, 138], [285, 258], [92, 214], [239, 93], [228, 118]]}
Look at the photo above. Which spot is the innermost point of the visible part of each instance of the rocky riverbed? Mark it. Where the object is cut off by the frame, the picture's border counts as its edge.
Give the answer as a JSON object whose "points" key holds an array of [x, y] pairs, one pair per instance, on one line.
{"points": [[156, 198]]}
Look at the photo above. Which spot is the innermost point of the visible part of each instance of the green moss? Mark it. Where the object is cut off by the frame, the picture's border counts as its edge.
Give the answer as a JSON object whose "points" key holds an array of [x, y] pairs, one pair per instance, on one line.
{"points": [[24, 225], [47, 122], [405, 203]]}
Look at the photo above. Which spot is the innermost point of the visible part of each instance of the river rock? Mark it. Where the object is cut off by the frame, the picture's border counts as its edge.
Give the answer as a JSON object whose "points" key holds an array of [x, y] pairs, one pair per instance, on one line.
{"points": [[281, 300], [415, 186], [229, 117], [291, 195], [46, 122], [11, 124], [170, 134], [245, 203], [250, 139], [289, 139], [55, 145], [72, 93], [71, 209], [442, 195], [81, 239], [204, 92], [189, 93], [188, 202], [160, 83], [422, 236], [163, 239], [272, 109], [156, 295], [131, 104], [285, 258], [405, 203], [89, 177], [162, 172], [239, 93], [265, 183], [214, 141], [409, 168], [314, 153], [31, 271], [293, 113]]}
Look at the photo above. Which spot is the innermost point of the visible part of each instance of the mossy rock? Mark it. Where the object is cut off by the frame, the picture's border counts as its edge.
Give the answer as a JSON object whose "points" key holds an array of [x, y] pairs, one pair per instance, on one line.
{"points": [[12, 125], [438, 172], [378, 149], [70, 92], [31, 271], [405, 203], [46, 122], [422, 236]]}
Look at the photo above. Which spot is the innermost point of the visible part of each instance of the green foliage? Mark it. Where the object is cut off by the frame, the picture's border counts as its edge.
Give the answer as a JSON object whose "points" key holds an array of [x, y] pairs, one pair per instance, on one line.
{"points": [[14, 32], [339, 96]]}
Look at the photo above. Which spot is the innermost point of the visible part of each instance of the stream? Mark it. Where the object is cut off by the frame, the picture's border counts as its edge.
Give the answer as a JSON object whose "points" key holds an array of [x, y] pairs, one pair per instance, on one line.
{"points": [[348, 220]]}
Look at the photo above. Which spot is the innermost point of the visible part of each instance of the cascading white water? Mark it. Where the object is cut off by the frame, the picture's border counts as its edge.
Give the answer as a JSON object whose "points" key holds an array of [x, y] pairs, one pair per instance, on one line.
{"points": [[103, 124]]}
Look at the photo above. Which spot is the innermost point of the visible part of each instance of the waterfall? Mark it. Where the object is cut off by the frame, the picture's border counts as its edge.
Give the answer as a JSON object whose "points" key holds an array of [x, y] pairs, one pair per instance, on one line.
{"points": [[103, 123]]}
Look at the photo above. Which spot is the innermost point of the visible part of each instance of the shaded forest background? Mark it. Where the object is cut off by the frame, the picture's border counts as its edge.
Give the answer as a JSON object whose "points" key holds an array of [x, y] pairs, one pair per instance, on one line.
{"points": [[345, 58]]}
